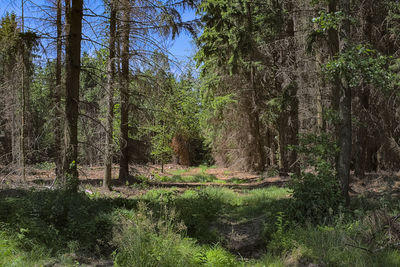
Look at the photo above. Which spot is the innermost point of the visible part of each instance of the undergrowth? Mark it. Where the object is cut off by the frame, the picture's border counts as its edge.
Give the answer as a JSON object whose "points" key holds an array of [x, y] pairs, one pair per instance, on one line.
{"points": [[171, 227], [198, 178]]}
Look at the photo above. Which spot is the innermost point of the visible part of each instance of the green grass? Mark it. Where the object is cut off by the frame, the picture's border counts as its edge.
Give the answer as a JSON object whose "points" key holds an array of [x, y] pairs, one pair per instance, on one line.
{"points": [[236, 180], [198, 178], [178, 172], [171, 227], [329, 246]]}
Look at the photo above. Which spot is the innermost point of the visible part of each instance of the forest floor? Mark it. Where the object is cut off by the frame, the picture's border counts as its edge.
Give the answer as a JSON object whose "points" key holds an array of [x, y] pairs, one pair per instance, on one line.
{"points": [[239, 212], [373, 184]]}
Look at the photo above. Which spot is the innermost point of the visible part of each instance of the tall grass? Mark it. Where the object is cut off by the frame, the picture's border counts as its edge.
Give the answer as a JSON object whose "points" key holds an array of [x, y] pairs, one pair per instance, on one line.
{"points": [[145, 241], [175, 227]]}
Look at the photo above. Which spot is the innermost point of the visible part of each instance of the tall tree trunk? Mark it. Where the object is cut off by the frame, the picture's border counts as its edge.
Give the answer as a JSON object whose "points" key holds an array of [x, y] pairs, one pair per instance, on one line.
{"points": [[283, 143], [361, 145], [289, 117], [22, 134], [345, 131], [319, 103], [294, 166], [72, 73], [124, 94], [293, 118], [110, 95], [361, 138], [57, 96], [13, 137], [258, 155]]}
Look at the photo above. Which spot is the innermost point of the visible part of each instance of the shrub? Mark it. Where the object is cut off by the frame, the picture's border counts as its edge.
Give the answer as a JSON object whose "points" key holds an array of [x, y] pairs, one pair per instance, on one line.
{"points": [[316, 193]]}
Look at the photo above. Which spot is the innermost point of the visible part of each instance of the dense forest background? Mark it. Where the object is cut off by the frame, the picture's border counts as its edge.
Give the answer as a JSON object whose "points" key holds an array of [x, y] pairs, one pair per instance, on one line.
{"points": [[307, 91], [269, 74]]}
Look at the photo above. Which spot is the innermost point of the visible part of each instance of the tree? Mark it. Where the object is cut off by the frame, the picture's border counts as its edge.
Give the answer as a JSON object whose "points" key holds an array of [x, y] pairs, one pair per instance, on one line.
{"points": [[16, 52], [229, 43], [244, 49], [110, 95], [124, 92], [345, 126], [57, 95], [74, 13], [23, 102]]}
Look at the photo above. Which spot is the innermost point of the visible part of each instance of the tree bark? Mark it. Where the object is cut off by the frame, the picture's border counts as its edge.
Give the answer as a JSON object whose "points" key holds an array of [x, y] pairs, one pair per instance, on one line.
{"points": [[345, 130], [72, 73], [293, 121], [110, 95], [57, 96], [22, 133], [257, 156], [361, 138], [124, 94]]}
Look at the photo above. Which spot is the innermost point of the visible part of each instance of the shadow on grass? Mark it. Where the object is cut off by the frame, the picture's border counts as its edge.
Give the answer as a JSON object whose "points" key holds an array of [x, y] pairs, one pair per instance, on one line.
{"points": [[58, 222]]}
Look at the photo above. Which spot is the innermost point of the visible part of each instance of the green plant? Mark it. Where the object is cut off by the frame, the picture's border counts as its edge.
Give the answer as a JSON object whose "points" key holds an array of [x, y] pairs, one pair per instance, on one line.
{"points": [[144, 240], [218, 257], [198, 178], [316, 193], [178, 172], [280, 240]]}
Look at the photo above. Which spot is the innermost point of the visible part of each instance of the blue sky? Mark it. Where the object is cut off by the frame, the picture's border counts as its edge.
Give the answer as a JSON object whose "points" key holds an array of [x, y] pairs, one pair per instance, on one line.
{"points": [[180, 49], [183, 45]]}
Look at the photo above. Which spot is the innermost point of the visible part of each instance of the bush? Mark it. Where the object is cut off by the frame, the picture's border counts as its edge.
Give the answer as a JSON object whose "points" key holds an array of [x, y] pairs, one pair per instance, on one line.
{"points": [[316, 193]]}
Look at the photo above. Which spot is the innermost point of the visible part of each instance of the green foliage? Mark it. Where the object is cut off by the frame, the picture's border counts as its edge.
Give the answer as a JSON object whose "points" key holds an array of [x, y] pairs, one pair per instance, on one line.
{"points": [[232, 30], [176, 228], [54, 219], [144, 240], [316, 192], [161, 143], [42, 119], [172, 107], [198, 178], [218, 257], [14, 42], [11, 253], [213, 111], [279, 240], [326, 21], [393, 16], [361, 64], [331, 246]]}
